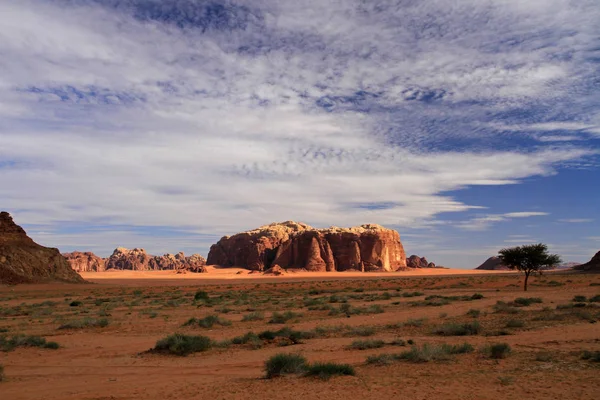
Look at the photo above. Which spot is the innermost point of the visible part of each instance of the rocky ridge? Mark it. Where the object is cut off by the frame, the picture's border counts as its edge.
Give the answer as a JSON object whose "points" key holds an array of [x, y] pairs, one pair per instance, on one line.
{"points": [[138, 260], [24, 261]]}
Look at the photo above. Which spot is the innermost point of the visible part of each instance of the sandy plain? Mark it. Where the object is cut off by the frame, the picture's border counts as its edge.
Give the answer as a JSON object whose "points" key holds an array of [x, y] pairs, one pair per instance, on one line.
{"points": [[112, 362]]}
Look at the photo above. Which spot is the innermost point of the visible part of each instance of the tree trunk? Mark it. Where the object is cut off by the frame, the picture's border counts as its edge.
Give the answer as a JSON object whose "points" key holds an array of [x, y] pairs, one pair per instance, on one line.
{"points": [[526, 278]]}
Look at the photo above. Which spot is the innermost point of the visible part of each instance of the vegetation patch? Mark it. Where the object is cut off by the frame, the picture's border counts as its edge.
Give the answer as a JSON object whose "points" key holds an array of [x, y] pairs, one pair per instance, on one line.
{"points": [[285, 364], [11, 343], [366, 344], [282, 318], [327, 370], [208, 321], [85, 323], [182, 345], [253, 316], [497, 350], [452, 329]]}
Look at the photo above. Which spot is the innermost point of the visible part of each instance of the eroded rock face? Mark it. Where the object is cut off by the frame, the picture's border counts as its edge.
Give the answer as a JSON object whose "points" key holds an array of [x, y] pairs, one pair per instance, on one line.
{"points": [[420, 262], [592, 265], [493, 264], [24, 261], [85, 261], [295, 245], [138, 260]]}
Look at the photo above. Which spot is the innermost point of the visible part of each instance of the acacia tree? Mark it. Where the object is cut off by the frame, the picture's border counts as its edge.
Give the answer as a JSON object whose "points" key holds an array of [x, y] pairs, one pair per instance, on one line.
{"points": [[529, 259]]}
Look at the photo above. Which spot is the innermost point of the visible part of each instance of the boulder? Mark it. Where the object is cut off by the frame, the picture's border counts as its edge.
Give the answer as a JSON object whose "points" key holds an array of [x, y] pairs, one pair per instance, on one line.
{"points": [[493, 264], [420, 262], [24, 261], [592, 265], [293, 245], [138, 260], [85, 262]]}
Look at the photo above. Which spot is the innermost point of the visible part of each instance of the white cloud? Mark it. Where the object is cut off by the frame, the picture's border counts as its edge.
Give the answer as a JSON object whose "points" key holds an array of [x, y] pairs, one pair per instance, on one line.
{"points": [[576, 220], [486, 221], [116, 121]]}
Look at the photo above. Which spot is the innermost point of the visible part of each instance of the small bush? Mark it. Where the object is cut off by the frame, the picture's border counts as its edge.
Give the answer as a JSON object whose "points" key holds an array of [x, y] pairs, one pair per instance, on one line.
{"points": [[593, 356], [9, 344], [253, 316], [515, 323], [75, 303], [415, 322], [208, 321], [329, 369], [471, 328], [412, 294], [477, 296], [381, 359], [366, 344], [579, 299], [398, 342], [497, 350], [361, 331], [201, 295], [279, 318], [526, 301], [285, 364], [543, 356], [473, 313], [595, 299], [429, 352], [502, 307], [85, 323], [182, 345]]}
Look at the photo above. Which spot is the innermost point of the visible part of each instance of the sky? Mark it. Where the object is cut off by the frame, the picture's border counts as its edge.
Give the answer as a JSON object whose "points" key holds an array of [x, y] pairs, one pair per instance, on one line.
{"points": [[467, 125]]}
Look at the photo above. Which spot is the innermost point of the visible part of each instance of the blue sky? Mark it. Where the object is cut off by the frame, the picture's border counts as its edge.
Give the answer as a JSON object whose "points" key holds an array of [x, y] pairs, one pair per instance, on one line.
{"points": [[466, 125]]}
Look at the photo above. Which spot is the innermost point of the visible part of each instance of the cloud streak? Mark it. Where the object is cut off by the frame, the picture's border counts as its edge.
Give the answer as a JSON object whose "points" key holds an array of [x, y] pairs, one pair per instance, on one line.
{"points": [[219, 116]]}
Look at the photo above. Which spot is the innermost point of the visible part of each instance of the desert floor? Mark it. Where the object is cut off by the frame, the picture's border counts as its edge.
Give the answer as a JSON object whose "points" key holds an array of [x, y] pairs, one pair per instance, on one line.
{"points": [[331, 317]]}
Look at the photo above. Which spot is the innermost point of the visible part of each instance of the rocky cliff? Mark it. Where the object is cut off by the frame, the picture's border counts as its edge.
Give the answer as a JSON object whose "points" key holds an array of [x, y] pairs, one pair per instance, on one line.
{"points": [[592, 265], [298, 246], [24, 261], [139, 260], [85, 262]]}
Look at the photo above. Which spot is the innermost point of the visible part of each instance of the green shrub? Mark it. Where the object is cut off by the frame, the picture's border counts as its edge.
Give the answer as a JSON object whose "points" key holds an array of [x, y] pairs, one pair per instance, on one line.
{"points": [[412, 294], [254, 316], [515, 323], [208, 321], [2, 377], [381, 359], [470, 328], [361, 331], [595, 299], [473, 313], [415, 322], [591, 356], [201, 295], [10, 343], [543, 356], [503, 307], [279, 318], [526, 301], [284, 364], [477, 296], [429, 352], [75, 303], [497, 350], [579, 299], [329, 369], [366, 344], [85, 323], [182, 345]]}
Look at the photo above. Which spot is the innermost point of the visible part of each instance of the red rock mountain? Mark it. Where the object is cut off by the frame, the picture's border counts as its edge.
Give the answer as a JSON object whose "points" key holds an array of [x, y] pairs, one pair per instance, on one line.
{"points": [[293, 245], [85, 262], [24, 261], [420, 262], [592, 265], [139, 260], [493, 264]]}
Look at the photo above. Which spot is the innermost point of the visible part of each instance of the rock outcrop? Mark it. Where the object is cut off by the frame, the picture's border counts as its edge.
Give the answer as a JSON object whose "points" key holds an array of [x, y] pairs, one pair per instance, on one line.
{"points": [[139, 260], [24, 261], [592, 265], [85, 262], [493, 264], [293, 245], [420, 262]]}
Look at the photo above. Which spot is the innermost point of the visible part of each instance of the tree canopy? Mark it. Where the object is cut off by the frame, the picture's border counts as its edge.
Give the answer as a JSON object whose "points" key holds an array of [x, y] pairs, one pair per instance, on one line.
{"points": [[530, 258]]}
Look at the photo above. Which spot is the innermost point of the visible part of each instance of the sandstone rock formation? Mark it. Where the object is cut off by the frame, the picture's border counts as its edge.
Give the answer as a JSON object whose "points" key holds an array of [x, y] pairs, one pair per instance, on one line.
{"points": [[293, 245], [592, 265], [139, 260], [24, 261], [85, 262], [493, 264]]}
